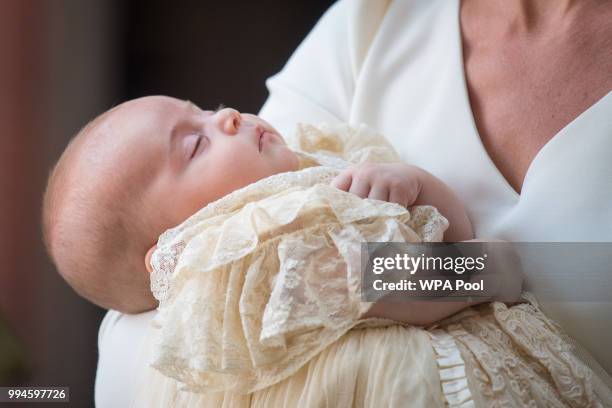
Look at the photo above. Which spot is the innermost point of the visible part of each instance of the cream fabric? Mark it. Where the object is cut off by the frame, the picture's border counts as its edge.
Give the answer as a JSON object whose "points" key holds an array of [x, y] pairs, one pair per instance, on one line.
{"points": [[486, 356], [365, 368]]}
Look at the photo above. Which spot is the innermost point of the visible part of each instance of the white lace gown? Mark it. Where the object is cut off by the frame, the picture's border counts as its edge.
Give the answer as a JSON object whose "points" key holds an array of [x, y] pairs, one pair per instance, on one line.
{"points": [[260, 302]]}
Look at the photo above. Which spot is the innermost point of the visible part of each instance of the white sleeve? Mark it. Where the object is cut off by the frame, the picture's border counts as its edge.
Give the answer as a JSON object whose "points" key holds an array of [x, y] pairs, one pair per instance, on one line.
{"points": [[122, 353], [318, 82]]}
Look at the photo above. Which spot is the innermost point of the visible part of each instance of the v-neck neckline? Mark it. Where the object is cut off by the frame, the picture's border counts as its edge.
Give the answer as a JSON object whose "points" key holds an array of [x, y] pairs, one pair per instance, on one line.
{"points": [[555, 139]]}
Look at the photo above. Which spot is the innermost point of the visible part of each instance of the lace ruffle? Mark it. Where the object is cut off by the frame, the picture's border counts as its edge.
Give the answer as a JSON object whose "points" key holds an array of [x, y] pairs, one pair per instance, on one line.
{"points": [[248, 309], [516, 356]]}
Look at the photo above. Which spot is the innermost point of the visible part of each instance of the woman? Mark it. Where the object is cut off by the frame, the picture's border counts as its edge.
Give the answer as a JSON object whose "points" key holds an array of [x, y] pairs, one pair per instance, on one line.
{"points": [[508, 102]]}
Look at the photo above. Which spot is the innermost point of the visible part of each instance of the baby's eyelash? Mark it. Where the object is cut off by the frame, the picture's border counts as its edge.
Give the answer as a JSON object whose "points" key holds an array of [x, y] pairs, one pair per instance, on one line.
{"points": [[221, 106], [195, 149]]}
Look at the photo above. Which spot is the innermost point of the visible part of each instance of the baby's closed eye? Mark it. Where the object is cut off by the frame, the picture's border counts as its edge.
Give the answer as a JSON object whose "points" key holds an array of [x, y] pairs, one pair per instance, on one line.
{"points": [[191, 144]]}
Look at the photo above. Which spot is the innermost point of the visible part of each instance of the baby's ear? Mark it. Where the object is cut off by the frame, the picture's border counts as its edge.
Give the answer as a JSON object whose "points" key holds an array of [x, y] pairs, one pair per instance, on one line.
{"points": [[148, 258]]}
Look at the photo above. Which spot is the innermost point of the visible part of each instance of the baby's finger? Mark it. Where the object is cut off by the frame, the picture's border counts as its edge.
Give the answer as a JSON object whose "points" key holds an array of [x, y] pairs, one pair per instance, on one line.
{"points": [[343, 181], [379, 192], [360, 187], [399, 196]]}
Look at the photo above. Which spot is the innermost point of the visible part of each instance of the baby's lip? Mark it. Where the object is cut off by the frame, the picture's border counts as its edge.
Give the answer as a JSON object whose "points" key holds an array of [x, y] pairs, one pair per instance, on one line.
{"points": [[263, 135]]}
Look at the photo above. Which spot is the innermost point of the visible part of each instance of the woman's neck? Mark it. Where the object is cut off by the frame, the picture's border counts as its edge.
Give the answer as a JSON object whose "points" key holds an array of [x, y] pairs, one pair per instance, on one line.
{"points": [[531, 15]]}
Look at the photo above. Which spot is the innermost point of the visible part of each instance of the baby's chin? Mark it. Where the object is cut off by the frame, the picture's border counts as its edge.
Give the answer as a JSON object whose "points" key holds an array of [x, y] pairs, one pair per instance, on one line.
{"points": [[294, 161]]}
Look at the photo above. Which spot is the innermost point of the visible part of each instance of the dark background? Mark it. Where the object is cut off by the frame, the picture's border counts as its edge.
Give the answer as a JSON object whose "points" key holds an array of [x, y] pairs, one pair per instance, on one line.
{"points": [[211, 52], [62, 62]]}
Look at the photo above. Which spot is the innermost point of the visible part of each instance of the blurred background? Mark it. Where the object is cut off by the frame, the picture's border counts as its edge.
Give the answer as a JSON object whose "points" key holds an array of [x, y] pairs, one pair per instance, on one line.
{"points": [[63, 62]]}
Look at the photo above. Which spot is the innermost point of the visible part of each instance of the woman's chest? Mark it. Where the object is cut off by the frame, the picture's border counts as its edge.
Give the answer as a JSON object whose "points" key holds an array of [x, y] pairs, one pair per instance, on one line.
{"points": [[415, 92], [523, 91]]}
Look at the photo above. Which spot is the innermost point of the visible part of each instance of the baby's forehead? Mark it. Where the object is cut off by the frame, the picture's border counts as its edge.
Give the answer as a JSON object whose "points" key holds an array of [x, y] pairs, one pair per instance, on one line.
{"points": [[137, 121], [125, 145], [139, 112], [151, 105]]}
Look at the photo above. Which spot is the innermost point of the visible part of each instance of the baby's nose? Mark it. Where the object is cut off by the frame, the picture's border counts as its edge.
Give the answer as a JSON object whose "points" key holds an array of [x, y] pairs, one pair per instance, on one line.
{"points": [[229, 120]]}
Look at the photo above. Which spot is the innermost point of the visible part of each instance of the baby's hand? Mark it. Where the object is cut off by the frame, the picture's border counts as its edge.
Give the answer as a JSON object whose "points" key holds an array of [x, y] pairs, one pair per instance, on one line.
{"points": [[395, 182], [408, 186]]}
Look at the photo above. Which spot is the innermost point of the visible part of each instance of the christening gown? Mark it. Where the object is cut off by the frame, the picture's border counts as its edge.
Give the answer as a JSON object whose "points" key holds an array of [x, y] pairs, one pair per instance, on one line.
{"points": [[260, 305]]}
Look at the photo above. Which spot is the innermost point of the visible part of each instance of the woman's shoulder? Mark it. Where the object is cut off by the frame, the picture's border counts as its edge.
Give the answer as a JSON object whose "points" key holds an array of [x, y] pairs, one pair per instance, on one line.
{"points": [[320, 82]]}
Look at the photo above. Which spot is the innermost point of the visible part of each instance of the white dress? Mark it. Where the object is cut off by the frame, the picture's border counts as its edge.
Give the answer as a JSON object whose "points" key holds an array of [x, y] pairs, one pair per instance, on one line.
{"points": [[397, 66]]}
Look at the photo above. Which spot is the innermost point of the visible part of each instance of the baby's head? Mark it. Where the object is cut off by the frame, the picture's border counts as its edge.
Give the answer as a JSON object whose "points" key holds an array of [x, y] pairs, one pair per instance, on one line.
{"points": [[137, 170]]}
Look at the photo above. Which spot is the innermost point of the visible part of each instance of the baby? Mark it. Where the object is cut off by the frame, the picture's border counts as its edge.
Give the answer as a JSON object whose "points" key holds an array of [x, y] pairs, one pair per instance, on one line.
{"points": [[148, 164], [155, 163]]}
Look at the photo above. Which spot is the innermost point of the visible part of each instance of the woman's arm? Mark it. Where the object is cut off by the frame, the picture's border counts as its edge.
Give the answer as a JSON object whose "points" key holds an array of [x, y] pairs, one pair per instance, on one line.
{"points": [[418, 313], [408, 186]]}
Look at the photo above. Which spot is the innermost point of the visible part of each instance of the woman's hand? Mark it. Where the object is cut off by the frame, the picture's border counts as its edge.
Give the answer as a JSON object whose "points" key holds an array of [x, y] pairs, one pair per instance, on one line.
{"points": [[395, 182]]}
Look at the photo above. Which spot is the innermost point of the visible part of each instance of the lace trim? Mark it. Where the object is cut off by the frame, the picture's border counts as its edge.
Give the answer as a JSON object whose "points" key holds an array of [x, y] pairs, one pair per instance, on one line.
{"points": [[163, 267], [172, 242], [453, 378]]}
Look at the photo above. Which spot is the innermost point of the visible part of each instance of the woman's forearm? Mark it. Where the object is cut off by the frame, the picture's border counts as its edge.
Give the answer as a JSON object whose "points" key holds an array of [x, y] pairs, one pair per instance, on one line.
{"points": [[503, 281], [418, 313]]}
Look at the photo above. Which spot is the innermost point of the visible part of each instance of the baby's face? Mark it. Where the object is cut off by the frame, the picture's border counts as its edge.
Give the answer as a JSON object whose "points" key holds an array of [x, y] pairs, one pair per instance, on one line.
{"points": [[183, 158]]}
